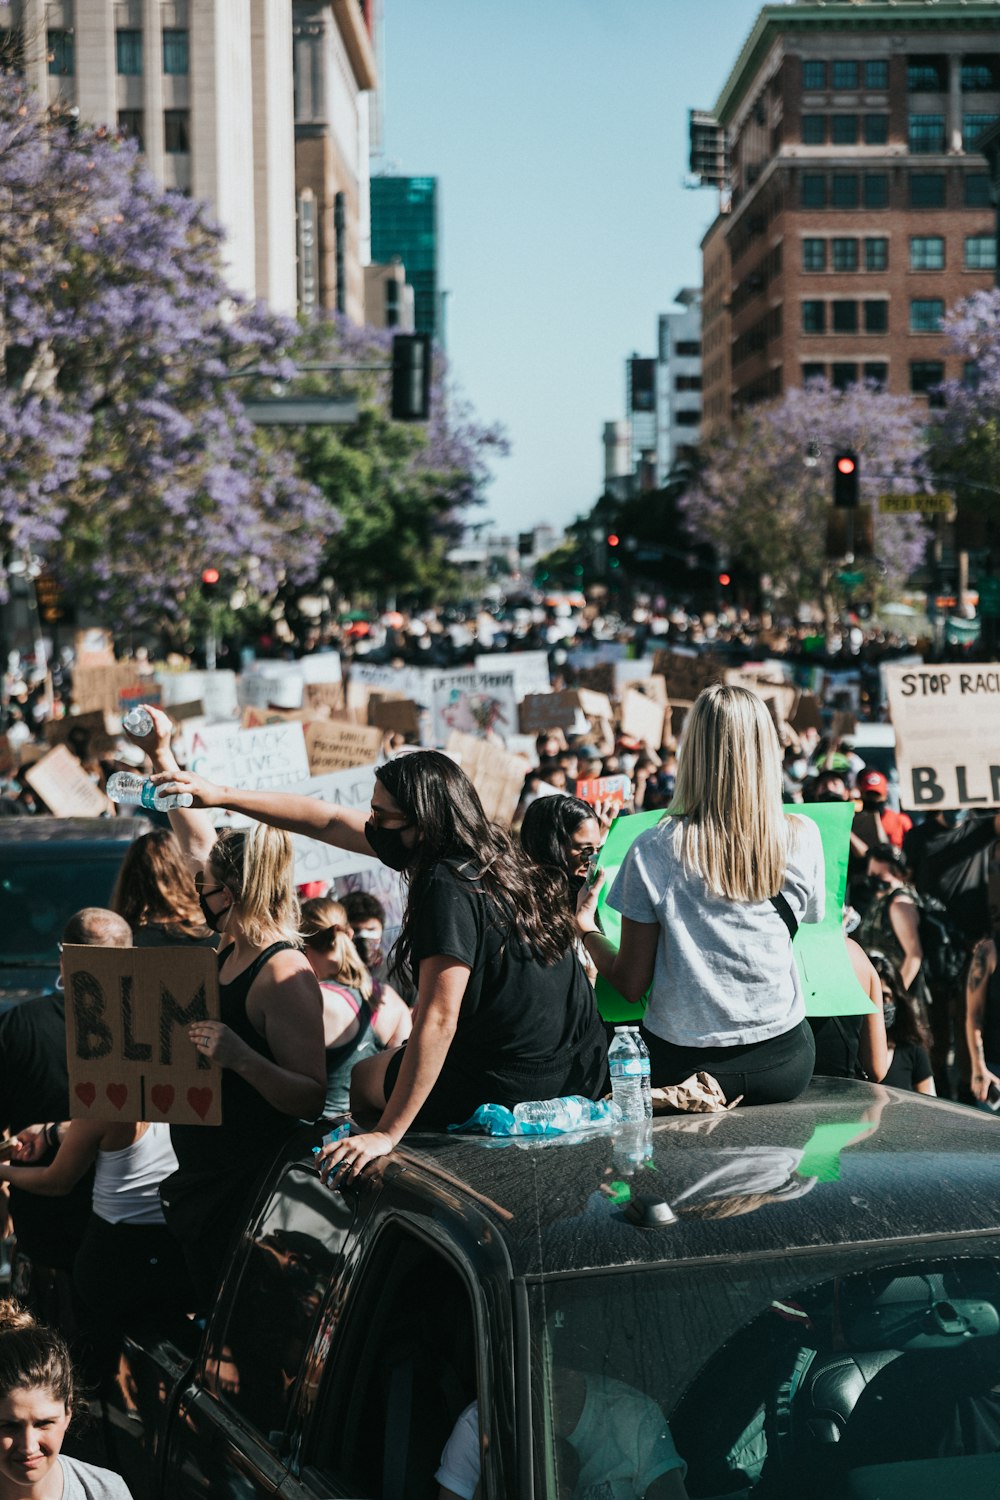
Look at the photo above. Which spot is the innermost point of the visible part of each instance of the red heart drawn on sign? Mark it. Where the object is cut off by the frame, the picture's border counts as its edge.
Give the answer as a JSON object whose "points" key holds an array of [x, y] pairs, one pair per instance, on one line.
{"points": [[162, 1095], [86, 1092], [117, 1093], [200, 1101]]}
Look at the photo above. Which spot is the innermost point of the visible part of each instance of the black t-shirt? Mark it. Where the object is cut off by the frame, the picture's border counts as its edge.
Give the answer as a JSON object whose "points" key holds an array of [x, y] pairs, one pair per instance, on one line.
{"points": [[910, 1065], [517, 1013], [953, 865], [34, 1088]]}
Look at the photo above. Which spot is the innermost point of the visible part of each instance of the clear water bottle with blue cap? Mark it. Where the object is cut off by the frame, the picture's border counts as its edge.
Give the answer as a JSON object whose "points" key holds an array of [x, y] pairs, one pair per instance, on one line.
{"points": [[625, 1067]]}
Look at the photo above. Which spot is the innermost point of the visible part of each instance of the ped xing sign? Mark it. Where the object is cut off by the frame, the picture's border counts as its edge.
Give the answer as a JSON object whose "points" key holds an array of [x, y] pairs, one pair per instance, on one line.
{"points": [[924, 505]]}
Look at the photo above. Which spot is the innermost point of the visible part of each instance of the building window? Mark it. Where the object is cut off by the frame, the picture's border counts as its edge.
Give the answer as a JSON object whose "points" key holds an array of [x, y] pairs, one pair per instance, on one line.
{"points": [[814, 255], [687, 383], [973, 127], [128, 52], [927, 252], [977, 189], [175, 51], [877, 316], [876, 130], [813, 190], [844, 130], [927, 190], [687, 418], [981, 76], [925, 376], [845, 317], [813, 75], [926, 314], [845, 190], [844, 74], [814, 317], [970, 374], [926, 134], [814, 130], [813, 372], [130, 122], [845, 255], [877, 73], [62, 61], [688, 348], [927, 75], [876, 189], [877, 254], [177, 131], [980, 252], [877, 371], [843, 375]]}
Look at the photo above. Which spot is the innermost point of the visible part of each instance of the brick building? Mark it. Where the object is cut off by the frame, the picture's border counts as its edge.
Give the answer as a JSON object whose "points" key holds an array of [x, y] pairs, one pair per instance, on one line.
{"points": [[857, 207]]}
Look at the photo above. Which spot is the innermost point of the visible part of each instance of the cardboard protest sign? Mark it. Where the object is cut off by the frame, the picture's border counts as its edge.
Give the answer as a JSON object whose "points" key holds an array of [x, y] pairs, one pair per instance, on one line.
{"points": [[85, 734], [595, 705], [476, 703], [93, 647], [595, 789], [653, 686], [530, 669], [256, 718], [64, 786], [497, 775], [135, 693], [215, 690], [271, 685], [181, 712], [332, 746], [100, 687], [315, 860], [269, 759], [540, 711], [947, 722], [807, 714], [325, 696], [598, 679], [393, 714], [829, 983], [642, 718], [127, 1047], [410, 681], [687, 672]]}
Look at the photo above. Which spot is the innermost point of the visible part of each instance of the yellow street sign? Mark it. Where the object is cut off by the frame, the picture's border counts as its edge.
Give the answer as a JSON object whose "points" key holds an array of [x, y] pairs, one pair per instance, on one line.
{"points": [[927, 505]]}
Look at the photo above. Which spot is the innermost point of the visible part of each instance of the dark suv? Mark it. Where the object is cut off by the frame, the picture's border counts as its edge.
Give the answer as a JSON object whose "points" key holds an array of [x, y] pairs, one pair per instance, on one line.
{"points": [[50, 868]]}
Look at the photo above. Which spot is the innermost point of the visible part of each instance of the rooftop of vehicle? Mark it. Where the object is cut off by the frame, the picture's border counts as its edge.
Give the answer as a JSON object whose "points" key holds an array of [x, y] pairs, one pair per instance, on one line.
{"points": [[848, 1163], [43, 829]]}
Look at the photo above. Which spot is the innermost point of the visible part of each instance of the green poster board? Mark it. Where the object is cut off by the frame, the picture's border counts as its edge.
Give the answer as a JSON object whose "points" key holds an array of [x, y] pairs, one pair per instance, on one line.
{"points": [[829, 983]]}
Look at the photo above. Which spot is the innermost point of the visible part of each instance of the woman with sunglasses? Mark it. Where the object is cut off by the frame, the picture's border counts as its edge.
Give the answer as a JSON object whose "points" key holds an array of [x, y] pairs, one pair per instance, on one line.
{"points": [[504, 1012], [268, 1041]]}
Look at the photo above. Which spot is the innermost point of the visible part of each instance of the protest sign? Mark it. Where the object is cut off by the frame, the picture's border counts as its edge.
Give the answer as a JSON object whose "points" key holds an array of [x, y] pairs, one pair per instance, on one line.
{"points": [[64, 786], [947, 722], [597, 654], [388, 887], [642, 718], [412, 682], [93, 647], [595, 705], [85, 734], [320, 667], [393, 714], [100, 687], [332, 746], [139, 692], [216, 690], [497, 775], [598, 789], [315, 860], [630, 672], [269, 759], [323, 698], [181, 712], [127, 1016], [256, 718], [598, 679], [530, 669], [807, 714], [654, 686], [829, 983], [271, 685], [541, 711], [476, 703], [687, 672]]}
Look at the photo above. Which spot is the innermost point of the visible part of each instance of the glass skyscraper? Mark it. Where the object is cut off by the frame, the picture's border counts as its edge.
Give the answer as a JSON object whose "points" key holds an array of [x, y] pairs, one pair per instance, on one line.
{"points": [[405, 223]]}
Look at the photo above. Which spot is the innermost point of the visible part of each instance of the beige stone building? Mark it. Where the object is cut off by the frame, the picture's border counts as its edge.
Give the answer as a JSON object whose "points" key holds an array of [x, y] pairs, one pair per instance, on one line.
{"points": [[206, 86]]}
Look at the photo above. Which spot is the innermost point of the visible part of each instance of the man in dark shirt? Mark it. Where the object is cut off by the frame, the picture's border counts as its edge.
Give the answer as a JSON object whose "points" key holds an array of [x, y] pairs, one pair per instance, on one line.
{"points": [[34, 1090]]}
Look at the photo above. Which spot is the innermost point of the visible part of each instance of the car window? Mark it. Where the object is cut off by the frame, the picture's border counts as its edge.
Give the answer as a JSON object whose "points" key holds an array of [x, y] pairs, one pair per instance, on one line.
{"points": [[404, 1373], [255, 1355], [786, 1383], [40, 895]]}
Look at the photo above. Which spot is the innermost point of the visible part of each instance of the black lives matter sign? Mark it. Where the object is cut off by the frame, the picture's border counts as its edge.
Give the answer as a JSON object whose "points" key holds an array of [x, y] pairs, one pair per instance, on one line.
{"points": [[947, 722]]}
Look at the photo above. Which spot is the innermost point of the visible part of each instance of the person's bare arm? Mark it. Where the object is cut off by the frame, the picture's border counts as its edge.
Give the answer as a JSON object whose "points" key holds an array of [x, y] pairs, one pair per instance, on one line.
{"points": [[326, 821], [905, 920], [195, 831], [76, 1154], [628, 968], [984, 962]]}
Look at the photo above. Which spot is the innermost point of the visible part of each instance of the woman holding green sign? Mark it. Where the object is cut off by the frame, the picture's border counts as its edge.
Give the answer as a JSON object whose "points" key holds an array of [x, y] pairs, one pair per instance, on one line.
{"points": [[710, 900]]}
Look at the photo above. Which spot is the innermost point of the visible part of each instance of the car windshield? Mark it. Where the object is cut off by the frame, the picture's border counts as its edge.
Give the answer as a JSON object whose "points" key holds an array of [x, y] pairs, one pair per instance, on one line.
{"points": [[38, 896], [839, 1377]]}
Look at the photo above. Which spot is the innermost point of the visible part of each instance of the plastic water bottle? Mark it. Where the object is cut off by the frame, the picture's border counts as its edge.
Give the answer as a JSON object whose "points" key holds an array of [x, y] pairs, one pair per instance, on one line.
{"points": [[570, 1113], [142, 791], [625, 1067], [138, 721], [646, 1075]]}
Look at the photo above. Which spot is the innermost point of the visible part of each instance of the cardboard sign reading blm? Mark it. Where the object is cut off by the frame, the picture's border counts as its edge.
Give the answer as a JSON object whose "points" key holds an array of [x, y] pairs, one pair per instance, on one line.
{"points": [[127, 1016], [947, 722]]}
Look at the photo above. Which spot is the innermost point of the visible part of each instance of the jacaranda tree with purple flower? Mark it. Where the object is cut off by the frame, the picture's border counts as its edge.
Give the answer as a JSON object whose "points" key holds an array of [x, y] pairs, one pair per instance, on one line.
{"points": [[966, 447], [126, 458]]}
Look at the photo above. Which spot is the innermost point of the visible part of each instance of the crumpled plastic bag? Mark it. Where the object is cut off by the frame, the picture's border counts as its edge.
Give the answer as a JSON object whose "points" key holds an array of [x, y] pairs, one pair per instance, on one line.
{"points": [[700, 1094]]}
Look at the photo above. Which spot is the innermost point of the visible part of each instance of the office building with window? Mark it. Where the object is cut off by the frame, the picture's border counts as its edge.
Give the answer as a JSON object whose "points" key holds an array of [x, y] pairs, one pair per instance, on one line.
{"points": [[679, 378], [405, 225], [857, 206], [205, 86]]}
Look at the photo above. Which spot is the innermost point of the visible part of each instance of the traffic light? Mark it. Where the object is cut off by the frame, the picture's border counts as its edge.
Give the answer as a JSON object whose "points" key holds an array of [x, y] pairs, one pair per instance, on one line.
{"points": [[411, 377], [725, 579], [613, 539], [846, 476], [209, 582]]}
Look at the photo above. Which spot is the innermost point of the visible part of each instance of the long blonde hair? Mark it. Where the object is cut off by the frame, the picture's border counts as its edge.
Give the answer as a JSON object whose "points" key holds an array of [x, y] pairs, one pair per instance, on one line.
{"points": [[256, 864], [323, 927], [728, 792]]}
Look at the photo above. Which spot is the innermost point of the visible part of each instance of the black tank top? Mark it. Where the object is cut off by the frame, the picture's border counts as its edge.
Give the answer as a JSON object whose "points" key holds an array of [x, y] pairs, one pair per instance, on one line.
{"points": [[991, 1021], [249, 1123]]}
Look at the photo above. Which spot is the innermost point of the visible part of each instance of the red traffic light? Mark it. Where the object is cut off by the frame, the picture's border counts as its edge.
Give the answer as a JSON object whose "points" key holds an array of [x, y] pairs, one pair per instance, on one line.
{"points": [[725, 580], [846, 464], [210, 575], [613, 540]]}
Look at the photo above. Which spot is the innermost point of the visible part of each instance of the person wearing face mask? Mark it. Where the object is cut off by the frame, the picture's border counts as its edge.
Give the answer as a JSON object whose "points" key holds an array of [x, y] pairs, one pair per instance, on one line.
{"points": [[366, 920], [908, 1038], [563, 835], [504, 1012]]}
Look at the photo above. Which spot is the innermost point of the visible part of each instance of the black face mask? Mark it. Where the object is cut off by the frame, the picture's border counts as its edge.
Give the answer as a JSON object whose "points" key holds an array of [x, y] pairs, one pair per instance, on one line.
{"points": [[888, 1015], [576, 884], [369, 950], [214, 920], [388, 845]]}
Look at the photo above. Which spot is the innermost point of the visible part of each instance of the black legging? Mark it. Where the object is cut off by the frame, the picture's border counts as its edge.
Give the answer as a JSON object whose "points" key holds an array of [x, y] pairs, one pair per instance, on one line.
{"points": [[769, 1072]]}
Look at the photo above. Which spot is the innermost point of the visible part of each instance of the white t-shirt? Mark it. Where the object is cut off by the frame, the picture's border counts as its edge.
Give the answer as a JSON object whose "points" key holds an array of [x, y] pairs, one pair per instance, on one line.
{"points": [[459, 1471], [724, 972], [84, 1482]]}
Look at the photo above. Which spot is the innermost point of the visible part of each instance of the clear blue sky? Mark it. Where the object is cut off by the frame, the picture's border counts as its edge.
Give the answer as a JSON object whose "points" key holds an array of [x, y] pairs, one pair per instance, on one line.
{"points": [[558, 131]]}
